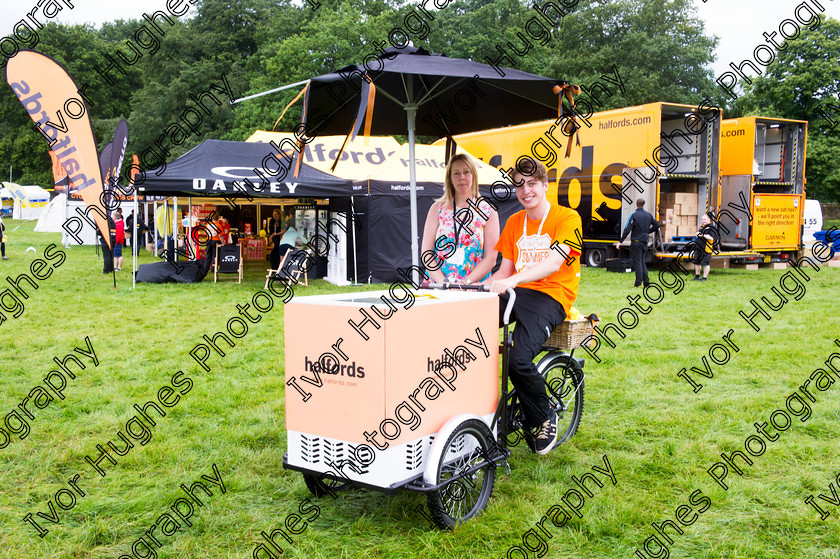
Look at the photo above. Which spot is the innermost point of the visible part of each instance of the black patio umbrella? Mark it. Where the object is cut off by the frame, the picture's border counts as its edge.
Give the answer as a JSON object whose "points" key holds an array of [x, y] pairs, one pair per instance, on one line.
{"points": [[413, 90], [428, 94]]}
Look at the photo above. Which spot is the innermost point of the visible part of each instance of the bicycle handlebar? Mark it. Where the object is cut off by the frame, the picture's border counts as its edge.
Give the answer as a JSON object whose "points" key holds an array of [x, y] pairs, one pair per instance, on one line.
{"points": [[511, 298], [463, 287], [455, 286]]}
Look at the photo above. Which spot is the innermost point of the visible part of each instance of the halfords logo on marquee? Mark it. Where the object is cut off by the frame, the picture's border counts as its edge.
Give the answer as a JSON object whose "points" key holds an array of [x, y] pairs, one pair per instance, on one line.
{"points": [[350, 370]]}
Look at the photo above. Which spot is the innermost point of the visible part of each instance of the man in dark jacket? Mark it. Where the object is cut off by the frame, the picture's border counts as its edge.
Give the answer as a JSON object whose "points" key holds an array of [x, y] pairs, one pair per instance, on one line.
{"points": [[107, 253], [641, 224], [129, 229], [142, 230]]}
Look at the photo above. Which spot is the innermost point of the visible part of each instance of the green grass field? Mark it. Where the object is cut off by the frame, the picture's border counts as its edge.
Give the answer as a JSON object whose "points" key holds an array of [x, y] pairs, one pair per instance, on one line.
{"points": [[659, 436], [831, 223]]}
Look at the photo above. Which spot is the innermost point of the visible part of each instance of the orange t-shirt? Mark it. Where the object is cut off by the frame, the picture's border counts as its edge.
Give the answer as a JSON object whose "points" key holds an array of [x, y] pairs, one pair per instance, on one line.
{"points": [[560, 226], [219, 231], [224, 231]]}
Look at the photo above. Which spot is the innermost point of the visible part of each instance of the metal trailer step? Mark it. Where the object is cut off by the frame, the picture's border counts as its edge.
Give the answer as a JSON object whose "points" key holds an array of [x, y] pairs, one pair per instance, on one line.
{"points": [[687, 256]]}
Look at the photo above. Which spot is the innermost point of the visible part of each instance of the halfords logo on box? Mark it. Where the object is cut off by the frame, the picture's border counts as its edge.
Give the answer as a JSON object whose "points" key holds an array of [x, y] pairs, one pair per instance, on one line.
{"points": [[350, 370], [464, 357]]}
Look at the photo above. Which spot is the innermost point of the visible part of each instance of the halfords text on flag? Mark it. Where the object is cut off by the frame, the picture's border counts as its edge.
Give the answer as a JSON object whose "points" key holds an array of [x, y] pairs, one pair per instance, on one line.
{"points": [[48, 94]]}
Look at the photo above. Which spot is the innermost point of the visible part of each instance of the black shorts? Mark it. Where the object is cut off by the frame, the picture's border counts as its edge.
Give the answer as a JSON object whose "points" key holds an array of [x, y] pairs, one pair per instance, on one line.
{"points": [[702, 258]]}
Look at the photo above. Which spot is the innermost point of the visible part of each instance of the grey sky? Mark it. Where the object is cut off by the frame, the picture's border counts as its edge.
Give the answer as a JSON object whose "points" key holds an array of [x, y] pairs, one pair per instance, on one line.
{"points": [[84, 11], [738, 23]]}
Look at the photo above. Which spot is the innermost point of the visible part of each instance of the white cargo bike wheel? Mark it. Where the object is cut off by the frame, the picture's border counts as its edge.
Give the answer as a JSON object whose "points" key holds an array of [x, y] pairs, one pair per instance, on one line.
{"points": [[464, 444]]}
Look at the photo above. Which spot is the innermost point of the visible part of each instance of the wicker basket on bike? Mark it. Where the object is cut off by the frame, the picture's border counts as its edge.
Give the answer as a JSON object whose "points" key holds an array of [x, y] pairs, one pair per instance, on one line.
{"points": [[574, 333]]}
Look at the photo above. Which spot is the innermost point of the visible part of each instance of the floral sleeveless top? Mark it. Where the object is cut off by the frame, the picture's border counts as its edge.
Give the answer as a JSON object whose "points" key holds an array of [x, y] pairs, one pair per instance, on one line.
{"points": [[469, 229]]}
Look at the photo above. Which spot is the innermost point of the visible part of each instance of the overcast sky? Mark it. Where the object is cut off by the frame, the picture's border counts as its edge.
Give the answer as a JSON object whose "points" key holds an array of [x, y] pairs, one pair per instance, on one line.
{"points": [[738, 23]]}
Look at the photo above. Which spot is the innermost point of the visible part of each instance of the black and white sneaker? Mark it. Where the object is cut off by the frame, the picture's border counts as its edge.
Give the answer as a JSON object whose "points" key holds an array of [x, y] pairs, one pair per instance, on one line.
{"points": [[546, 436]]}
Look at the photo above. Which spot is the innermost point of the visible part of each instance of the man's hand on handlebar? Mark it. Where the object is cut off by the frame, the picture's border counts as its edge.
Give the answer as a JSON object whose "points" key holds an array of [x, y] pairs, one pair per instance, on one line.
{"points": [[454, 286], [502, 285]]}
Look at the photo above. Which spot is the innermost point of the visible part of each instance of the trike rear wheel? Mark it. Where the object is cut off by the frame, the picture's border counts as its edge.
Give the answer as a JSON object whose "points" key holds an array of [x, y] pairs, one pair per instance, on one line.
{"points": [[469, 446], [565, 382]]}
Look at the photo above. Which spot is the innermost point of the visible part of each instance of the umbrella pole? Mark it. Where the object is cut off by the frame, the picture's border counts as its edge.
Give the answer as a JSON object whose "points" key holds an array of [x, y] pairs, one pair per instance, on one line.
{"points": [[353, 225], [176, 222], [165, 229], [146, 223], [64, 234], [155, 238], [134, 241], [411, 111]]}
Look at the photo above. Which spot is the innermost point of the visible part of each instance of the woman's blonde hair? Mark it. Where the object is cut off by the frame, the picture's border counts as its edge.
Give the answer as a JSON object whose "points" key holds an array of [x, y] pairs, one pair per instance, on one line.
{"points": [[449, 189]]}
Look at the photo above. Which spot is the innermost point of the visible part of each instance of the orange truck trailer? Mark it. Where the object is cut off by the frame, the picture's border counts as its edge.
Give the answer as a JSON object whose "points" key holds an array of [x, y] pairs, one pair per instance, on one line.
{"points": [[762, 164], [665, 153]]}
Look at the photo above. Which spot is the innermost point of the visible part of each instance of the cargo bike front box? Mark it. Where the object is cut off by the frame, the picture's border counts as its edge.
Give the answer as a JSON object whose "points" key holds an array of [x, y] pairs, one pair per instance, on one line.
{"points": [[371, 385]]}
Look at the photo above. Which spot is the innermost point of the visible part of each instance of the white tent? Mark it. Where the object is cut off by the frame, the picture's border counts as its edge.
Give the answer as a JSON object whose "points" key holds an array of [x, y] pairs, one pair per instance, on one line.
{"points": [[57, 212], [29, 200], [7, 203], [54, 216]]}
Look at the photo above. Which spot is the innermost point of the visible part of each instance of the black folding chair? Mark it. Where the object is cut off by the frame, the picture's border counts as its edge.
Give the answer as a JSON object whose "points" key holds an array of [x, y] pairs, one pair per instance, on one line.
{"points": [[228, 261]]}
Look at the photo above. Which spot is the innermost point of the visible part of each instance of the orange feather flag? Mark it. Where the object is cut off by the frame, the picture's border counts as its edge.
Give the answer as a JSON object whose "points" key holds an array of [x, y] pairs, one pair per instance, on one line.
{"points": [[53, 101]]}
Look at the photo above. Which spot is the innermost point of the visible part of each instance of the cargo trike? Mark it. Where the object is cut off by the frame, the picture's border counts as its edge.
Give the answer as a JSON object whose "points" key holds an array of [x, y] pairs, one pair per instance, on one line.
{"points": [[408, 398]]}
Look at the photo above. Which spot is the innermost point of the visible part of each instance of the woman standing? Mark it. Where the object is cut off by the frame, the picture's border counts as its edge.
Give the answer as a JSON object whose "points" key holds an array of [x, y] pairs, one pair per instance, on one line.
{"points": [[461, 236], [275, 233]]}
